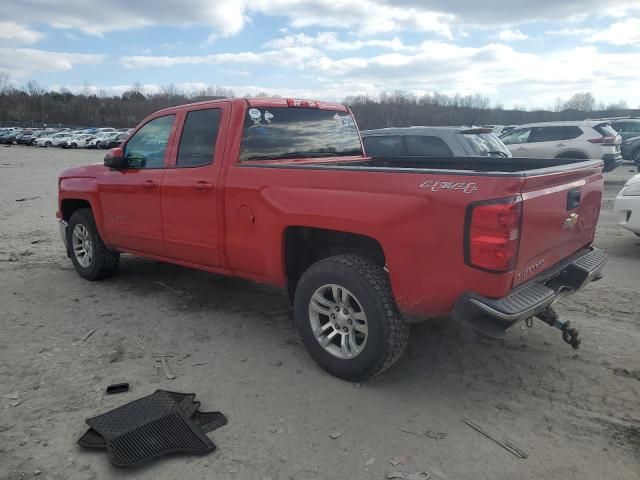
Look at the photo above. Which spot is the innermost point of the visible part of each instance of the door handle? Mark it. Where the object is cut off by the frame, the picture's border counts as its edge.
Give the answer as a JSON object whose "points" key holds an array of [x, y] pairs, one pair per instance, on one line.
{"points": [[561, 145], [203, 186], [149, 184], [521, 148]]}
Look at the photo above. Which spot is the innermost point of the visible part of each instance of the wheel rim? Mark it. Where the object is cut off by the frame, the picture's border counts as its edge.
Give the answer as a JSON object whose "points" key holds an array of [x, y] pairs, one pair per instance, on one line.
{"points": [[82, 245], [338, 321]]}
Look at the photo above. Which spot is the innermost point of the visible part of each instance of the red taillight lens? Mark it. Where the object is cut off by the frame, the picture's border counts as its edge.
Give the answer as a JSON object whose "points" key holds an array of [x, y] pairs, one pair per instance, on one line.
{"points": [[603, 140], [492, 234]]}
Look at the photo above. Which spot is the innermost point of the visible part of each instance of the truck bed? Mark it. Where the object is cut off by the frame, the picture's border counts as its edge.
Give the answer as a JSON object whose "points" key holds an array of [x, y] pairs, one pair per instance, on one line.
{"points": [[493, 165]]}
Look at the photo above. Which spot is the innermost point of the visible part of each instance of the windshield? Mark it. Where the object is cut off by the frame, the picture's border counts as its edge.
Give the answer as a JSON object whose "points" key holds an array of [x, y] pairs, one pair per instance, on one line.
{"points": [[487, 145], [291, 132]]}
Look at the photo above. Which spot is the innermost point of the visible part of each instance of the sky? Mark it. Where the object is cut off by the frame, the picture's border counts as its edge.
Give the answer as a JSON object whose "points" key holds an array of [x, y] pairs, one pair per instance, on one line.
{"points": [[516, 52]]}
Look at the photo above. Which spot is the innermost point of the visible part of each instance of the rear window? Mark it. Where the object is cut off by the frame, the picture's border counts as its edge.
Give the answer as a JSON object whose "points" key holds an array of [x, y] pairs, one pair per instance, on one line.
{"points": [[487, 145], [384, 146], [427, 146], [291, 132], [606, 130]]}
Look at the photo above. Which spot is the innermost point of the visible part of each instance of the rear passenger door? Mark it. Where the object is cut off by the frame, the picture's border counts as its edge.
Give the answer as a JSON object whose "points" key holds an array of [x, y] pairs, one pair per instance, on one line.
{"points": [[190, 195], [552, 141]]}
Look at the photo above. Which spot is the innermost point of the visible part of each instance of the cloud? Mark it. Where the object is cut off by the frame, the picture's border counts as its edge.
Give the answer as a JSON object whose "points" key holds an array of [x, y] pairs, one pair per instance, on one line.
{"points": [[509, 35], [364, 17], [25, 62], [11, 32], [288, 56], [626, 32], [330, 41], [568, 32]]}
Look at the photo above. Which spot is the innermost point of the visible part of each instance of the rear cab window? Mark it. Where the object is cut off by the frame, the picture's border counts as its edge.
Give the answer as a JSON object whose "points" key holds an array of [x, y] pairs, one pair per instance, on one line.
{"points": [[272, 133], [198, 139]]}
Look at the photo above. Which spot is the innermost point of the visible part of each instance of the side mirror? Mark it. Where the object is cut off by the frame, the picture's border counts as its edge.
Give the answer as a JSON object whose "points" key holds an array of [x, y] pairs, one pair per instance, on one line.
{"points": [[115, 159]]}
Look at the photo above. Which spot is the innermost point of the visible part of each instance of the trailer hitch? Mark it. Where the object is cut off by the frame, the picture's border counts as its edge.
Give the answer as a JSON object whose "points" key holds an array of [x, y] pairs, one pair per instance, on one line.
{"points": [[569, 335]]}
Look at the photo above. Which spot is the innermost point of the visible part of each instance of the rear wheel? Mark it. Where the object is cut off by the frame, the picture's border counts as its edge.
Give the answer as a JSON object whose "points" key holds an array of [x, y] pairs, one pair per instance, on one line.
{"points": [[636, 158], [48, 144], [90, 256], [74, 145], [347, 317]]}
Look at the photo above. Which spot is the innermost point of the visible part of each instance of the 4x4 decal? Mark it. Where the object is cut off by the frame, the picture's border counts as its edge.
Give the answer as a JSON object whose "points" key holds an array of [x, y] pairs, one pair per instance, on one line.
{"points": [[437, 186]]}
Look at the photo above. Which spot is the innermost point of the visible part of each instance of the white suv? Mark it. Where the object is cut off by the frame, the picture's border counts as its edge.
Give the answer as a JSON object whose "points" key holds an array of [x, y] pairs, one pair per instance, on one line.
{"points": [[580, 139]]}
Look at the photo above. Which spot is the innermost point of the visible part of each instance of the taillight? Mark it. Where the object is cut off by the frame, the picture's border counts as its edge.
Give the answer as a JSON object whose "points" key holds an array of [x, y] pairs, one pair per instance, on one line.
{"points": [[492, 234], [608, 140]]}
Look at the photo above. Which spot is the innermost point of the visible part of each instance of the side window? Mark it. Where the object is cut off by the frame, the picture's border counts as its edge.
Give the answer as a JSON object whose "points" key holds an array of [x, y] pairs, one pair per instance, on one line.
{"points": [[572, 132], [198, 140], [548, 134], [427, 146], [384, 145], [517, 136], [146, 148]]}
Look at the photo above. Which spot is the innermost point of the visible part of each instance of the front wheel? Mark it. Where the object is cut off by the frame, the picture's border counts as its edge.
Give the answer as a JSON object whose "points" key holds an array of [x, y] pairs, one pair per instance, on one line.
{"points": [[347, 317], [90, 256], [636, 159]]}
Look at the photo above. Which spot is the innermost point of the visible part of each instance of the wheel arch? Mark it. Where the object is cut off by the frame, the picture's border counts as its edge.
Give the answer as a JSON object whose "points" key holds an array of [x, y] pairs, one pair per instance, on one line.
{"points": [[303, 246]]}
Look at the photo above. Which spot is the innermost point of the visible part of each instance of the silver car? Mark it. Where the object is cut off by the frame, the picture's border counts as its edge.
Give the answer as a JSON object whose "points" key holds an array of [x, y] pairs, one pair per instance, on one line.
{"points": [[580, 139], [433, 142]]}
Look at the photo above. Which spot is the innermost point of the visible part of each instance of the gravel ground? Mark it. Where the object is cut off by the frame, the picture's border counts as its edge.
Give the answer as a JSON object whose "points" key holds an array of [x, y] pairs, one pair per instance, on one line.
{"points": [[233, 343]]}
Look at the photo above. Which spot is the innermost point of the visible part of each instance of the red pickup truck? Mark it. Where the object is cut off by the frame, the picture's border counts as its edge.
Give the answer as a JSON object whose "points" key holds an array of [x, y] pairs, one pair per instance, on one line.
{"points": [[281, 191]]}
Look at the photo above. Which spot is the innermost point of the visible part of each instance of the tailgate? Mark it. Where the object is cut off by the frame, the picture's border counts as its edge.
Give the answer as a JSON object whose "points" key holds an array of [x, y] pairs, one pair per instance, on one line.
{"points": [[560, 213]]}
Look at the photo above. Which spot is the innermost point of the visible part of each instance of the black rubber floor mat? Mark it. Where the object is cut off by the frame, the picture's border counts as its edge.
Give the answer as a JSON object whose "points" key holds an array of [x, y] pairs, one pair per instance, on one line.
{"points": [[207, 421], [155, 425], [167, 434]]}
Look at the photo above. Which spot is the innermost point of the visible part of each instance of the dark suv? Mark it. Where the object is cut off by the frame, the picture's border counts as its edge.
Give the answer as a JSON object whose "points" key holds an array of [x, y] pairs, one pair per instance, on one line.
{"points": [[627, 127]]}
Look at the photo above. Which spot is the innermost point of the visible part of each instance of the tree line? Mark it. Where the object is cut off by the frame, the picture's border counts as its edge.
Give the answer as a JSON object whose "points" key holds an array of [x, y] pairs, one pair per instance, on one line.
{"points": [[32, 105]]}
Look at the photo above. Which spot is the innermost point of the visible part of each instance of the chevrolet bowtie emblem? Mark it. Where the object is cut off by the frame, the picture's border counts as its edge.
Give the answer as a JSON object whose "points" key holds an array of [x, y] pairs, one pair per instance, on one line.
{"points": [[570, 222]]}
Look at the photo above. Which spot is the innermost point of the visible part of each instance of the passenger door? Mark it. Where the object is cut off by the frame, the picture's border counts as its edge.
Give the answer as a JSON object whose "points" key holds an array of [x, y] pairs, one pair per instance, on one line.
{"points": [[552, 142], [517, 141], [130, 197], [190, 195]]}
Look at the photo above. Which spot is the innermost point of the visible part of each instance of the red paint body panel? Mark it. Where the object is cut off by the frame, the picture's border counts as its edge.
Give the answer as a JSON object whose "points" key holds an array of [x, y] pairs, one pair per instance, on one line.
{"points": [[237, 225]]}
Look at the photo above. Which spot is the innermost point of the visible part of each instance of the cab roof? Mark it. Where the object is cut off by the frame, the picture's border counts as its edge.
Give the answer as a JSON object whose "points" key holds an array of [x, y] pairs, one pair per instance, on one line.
{"points": [[262, 102]]}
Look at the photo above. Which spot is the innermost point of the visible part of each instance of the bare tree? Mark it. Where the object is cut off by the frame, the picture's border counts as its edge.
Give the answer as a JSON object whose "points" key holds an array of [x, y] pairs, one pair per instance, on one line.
{"points": [[583, 102]]}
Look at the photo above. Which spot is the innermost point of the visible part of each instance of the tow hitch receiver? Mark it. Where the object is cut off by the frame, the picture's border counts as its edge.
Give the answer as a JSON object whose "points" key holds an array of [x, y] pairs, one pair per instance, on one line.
{"points": [[569, 335]]}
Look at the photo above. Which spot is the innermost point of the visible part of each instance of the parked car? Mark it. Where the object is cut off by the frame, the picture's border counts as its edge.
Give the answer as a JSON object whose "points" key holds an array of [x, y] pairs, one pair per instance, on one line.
{"points": [[631, 150], [98, 138], [626, 127], [76, 141], [581, 140], [35, 136], [627, 205], [280, 191], [433, 142], [22, 137], [114, 141], [52, 140]]}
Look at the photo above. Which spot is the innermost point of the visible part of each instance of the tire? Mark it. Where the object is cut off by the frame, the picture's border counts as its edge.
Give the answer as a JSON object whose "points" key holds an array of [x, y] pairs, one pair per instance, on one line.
{"points": [[74, 145], [98, 262], [368, 295], [48, 144]]}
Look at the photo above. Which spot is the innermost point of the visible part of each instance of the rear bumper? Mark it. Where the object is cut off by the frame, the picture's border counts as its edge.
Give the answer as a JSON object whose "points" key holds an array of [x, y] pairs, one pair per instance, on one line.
{"points": [[533, 297], [612, 161]]}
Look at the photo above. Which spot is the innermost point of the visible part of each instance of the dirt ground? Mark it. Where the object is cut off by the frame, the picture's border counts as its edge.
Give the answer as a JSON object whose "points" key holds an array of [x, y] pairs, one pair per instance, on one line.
{"points": [[577, 414]]}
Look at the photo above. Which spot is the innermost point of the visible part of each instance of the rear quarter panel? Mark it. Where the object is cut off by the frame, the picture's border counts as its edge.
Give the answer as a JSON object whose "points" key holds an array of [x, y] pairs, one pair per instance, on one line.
{"points": [[420, 229]]}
